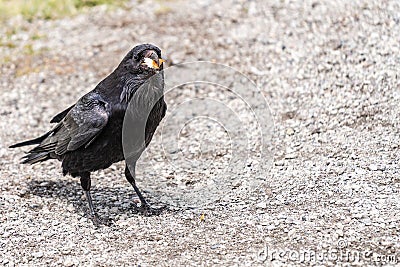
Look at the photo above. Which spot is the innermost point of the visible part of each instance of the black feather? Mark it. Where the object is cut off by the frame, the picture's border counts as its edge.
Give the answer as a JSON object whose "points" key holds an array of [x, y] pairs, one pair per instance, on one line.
{"points": [[61, 115], [31, 142]]}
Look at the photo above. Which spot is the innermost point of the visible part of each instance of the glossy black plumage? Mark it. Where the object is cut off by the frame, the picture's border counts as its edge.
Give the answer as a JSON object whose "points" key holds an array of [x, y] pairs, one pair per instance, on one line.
{"points": [[88, 135]]}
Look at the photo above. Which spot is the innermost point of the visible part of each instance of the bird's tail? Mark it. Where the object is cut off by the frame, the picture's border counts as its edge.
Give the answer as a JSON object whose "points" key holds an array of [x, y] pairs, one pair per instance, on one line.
{"points": [[35, 141], [33, 157], [37, 154]]}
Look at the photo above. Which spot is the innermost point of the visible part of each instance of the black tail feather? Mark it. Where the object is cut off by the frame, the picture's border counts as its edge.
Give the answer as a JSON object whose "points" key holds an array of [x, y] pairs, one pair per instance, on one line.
{"points": [[44, 148], [32, 158], [31, 142]]}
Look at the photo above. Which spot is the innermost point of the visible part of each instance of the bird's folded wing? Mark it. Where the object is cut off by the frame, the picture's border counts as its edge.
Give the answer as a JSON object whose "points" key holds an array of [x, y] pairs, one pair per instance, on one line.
{"points": [[83, 123], [61, 115]]}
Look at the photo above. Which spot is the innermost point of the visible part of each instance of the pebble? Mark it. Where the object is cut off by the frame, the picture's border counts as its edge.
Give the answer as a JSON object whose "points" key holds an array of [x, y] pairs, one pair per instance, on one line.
{"points": [[71, 208], [37, 254], [291, 156], [373, 167], [291, 232], [366, 221], [339, 232], [261, 205], [68, 263], [290, 131]]}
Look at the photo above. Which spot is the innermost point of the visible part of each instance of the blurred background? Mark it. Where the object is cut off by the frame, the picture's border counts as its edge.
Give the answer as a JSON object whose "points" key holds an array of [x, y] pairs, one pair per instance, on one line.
{"points": [[50, 9]]}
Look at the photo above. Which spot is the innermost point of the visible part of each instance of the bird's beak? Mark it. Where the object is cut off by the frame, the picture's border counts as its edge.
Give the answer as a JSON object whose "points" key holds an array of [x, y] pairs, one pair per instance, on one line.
{"points": [[154, 64], [160, 62], [157, 66]]}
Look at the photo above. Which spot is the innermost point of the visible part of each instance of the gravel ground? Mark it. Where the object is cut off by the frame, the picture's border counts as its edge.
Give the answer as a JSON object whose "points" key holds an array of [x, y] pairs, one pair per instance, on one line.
{"points": [[329, 72]]}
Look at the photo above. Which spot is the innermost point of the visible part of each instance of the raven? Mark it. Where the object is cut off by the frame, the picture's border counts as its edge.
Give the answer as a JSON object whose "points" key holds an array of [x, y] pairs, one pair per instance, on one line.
{"points": [[88, 135]]}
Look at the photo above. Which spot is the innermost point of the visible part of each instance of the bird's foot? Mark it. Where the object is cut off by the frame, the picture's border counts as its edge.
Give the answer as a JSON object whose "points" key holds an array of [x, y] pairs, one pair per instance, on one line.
{"points": [[147, 210], [97, 221]]}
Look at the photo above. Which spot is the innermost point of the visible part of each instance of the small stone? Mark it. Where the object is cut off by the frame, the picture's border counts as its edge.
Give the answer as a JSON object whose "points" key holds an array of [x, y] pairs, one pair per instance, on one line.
{"points": [[291, 232], [357, 215], [71, 208], [270, 227], [68, 263], [261, 205], [366, 221], [290, 131], [236, 184], [66, 251], [215, 246], [291, 156], [373, 167], [339, 232], [114, 210], [37, 254]]}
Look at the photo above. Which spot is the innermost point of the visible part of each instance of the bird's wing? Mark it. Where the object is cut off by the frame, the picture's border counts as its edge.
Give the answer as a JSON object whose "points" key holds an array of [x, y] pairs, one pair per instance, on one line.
{"points": [[61, 115], [81, 125]]}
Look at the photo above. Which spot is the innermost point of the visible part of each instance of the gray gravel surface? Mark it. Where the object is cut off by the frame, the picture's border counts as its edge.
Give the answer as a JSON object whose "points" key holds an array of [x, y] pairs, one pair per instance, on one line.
{"points": [[330, 73]]}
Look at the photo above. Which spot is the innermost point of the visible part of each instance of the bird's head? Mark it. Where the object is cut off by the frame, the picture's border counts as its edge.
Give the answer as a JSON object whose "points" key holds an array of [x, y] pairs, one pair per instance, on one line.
{"points": [[143, 66], [144, 59]]}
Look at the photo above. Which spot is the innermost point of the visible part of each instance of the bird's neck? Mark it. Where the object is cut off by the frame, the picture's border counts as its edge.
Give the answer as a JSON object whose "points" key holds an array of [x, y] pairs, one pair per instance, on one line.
{"points": [[141, 88]]}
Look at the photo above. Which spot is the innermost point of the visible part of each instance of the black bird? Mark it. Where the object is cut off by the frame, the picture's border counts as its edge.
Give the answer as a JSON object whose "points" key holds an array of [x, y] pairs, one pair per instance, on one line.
{"points": [[88, 135]]}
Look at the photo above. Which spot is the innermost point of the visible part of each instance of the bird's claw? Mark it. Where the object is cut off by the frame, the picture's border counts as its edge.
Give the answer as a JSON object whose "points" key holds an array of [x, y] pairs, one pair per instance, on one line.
{"points": [[95, 219], [97, 222], [147, 210]]}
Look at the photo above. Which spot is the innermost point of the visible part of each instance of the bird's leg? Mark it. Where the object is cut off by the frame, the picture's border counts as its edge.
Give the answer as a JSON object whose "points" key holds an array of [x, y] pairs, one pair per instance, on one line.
{"points": [[89, 199], [145, 207], [85, 183], [131, 180]]}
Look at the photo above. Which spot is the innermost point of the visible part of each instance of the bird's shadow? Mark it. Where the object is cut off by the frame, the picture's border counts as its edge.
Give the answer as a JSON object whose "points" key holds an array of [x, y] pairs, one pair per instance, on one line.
{"points": [[110, 203]]}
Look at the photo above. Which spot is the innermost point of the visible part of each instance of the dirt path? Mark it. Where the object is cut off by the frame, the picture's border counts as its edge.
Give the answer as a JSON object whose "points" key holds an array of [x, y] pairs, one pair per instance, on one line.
{"points": [[330, 74]]}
